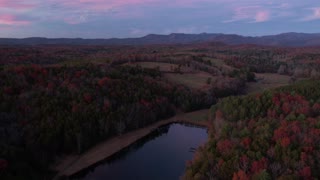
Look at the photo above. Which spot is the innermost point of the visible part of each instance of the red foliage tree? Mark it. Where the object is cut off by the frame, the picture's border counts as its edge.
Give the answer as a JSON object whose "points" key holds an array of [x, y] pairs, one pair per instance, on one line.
{"points": [[272, 113], [78, 74], [246, 142], [303, 157], [244, 162], [87, 97], [44, 72], [220, 162], [305, 172], [286, 108], [308, 149], [75, 108], [276, 100], [219, 115], [240, 175], [295, 127], [260, 165], [103, 81], [8, 90], [3, 164], [279, 134], [285, 142], [316, 109], [50, 85], [106, 105], [145, 103], [304, 110], [72, 87], [224, 146], [19, 69]]}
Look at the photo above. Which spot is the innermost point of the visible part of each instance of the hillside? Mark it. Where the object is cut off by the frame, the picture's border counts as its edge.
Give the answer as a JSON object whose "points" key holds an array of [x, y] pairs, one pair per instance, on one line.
{"points": [[285, 39], [273, 135]]}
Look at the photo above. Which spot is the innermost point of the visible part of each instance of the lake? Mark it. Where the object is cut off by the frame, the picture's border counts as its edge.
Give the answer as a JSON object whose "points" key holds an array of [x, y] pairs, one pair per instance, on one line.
{"points": [[160, 155]]}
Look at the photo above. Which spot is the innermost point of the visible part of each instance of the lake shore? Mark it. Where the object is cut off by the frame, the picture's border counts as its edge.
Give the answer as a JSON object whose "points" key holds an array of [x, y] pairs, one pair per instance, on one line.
{"points": [[72, 164]]}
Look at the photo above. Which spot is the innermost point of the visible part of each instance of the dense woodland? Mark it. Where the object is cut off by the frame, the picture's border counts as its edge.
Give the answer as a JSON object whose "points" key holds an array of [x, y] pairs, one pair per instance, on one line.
{"points": [[58, 100], [49, 111], [273, 135]]}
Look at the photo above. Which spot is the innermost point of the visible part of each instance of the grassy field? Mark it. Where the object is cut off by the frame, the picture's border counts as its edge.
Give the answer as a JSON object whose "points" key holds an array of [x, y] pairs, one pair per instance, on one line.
{"points": [[164, 67], [82, 61], [193, 80], [220, 63], [267, 81]]}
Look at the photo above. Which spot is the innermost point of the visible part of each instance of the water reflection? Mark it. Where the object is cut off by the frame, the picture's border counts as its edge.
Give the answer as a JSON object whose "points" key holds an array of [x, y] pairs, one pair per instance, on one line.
{"points": [[160, 155]]}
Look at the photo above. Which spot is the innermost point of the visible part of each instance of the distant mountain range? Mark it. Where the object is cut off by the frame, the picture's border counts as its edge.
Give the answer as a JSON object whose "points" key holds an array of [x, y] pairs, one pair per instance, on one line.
{"points": [[285, 39]]}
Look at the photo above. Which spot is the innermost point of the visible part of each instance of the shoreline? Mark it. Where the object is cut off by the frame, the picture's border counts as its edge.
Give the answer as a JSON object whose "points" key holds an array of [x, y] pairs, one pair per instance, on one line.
{"points": [[73, 164]]}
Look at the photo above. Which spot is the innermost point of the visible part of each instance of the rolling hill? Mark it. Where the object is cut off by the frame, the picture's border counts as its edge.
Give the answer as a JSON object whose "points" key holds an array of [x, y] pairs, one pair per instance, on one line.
{"points": [[285, 39]]}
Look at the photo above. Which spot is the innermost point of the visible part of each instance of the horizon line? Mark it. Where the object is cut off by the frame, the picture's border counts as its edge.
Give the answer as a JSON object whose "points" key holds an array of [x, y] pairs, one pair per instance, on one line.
{"points": [[159, 35]]}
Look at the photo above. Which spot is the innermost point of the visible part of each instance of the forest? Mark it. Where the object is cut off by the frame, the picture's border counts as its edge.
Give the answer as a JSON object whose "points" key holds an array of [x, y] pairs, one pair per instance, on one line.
{"points": [[57, 100], [272, 135], [49, 111]]}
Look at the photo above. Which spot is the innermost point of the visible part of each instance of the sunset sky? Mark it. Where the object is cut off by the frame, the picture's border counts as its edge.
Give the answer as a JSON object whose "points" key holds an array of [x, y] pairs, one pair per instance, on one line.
{"points": [[135, 18]]}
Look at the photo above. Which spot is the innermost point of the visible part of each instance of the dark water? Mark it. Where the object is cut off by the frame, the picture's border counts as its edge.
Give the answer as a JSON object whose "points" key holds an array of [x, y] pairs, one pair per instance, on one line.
{"points": [[160, 155]]}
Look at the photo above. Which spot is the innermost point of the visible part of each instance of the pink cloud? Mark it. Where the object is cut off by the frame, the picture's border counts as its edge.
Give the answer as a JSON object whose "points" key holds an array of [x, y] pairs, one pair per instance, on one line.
{"points": [[12, 20], [10, 4], [81, 11], [314, 16], [262, 16], [250, 14], [100, 5]]}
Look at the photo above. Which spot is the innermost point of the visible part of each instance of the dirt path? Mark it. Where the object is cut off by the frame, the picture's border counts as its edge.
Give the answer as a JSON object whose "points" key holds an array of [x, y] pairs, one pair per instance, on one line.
{"points": [[75, 163]]}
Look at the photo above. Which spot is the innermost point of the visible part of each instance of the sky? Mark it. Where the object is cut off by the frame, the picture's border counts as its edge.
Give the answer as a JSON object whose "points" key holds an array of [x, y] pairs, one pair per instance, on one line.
{"points": [[136, 18]]}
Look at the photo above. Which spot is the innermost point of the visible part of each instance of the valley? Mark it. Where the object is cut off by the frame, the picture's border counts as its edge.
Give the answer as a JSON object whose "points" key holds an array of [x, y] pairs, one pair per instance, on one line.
{"points": [[74, 106]]}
